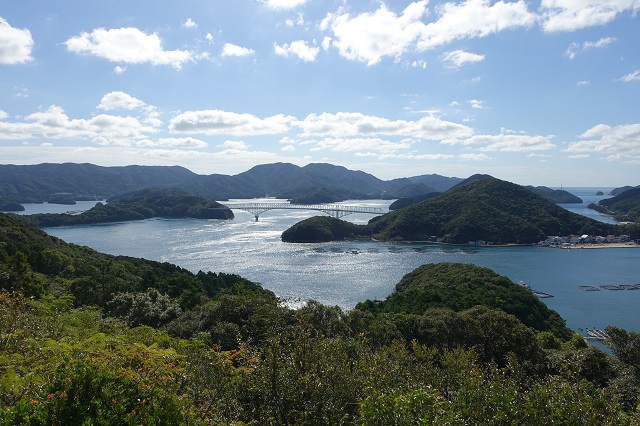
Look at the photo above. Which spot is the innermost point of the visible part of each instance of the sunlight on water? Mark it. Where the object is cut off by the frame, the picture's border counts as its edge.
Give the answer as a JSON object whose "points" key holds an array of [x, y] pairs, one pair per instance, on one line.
{"points": [[347, 272]]}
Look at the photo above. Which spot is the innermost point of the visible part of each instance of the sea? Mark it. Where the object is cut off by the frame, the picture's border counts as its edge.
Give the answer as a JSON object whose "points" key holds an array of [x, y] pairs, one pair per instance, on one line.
{"points": [[347, 272]]}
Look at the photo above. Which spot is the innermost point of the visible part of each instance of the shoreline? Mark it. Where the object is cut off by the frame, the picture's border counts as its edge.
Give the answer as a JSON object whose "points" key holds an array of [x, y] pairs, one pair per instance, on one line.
{"points": [[599, 246]]}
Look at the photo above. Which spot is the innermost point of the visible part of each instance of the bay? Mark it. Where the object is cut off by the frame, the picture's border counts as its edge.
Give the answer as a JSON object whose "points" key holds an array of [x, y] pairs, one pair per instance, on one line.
{"points": [[347, 272]]}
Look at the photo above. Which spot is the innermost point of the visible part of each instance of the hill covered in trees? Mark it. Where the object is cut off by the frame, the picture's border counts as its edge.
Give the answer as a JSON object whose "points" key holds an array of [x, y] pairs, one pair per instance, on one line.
{"points": [[138, 205], [89, 338], [43, 182], [480, 209], [624, 207]]}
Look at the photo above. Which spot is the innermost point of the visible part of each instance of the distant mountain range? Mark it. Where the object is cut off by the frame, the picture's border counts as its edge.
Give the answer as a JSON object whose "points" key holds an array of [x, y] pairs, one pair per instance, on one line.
{"points": [[44, 182]]}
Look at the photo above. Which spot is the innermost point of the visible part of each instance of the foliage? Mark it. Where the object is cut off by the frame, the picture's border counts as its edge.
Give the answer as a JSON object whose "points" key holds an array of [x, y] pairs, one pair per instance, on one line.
{"points": [[73, 353], [624, 207], [143, 204], [321, 229]]}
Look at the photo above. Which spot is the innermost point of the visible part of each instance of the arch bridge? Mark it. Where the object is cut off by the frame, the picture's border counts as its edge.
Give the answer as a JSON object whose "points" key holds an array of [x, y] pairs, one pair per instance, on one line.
{"points": [[335, 210]]}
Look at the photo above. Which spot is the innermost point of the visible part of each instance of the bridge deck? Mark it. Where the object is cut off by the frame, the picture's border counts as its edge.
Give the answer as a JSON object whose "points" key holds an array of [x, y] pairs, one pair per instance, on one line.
{"points": [[337, 210]]}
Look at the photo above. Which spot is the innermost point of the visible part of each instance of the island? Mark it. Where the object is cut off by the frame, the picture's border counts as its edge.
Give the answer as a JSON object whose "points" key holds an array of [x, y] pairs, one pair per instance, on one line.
{"points": [[481, 210], [138, 205], [624, 207]]}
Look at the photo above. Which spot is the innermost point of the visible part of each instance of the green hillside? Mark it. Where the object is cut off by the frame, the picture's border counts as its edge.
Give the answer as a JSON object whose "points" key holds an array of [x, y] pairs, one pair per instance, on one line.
{"points": [[624, 207], [486, 209], [143, 204], [88, 338], [460, 287]]}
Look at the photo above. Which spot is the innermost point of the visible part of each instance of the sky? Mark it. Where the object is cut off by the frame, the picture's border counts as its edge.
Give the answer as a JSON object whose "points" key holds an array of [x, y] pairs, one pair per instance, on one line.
{"points": [[535, 92]]}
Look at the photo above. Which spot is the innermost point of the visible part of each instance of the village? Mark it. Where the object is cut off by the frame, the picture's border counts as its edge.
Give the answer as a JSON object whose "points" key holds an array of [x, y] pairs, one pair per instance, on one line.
{"points": [[590, 241]]}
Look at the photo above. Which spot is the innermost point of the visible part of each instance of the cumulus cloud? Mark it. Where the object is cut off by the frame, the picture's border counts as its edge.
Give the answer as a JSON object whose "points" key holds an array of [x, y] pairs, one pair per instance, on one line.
{"points": [[298, 48], [474, 157], [618, 143], [181, 143], [507, 142], [237, 145], [369, 37], [15, 44], [571, 15], [283, 4], [476, 104], [359, 144], [288, 148], [457, 58], [344, 124], [216, 122], [53, 123], [3, 115], [128, 45], [233, 50], [474, 19], [189, 23], [115, 100], [634, 76], [406, 156], [575, 48]]}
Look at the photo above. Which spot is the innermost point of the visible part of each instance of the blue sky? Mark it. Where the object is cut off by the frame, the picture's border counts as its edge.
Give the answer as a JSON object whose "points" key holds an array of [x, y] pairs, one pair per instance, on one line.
{"points": [[536, 92]]}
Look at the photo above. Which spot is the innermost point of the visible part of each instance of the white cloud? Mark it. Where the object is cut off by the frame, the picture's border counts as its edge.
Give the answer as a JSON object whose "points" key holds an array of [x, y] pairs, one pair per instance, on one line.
{"points": [[409, 156], [3, 115], [571, 15], [359, 144], [476, 104], [326, 43], [209, 38], [119, 70], [115, 100], [419, 64], [457, 58], [619, 143], [344, 124], [634, 76], [189, 23], [298, 48], [233, 50], [55, 124], [283, 4], [15, 44], [473, 19], [237, 145], [369, 37], [288, 148], [507, 142], [128, 45], [583, 83], [474, 157], [574, 48], [216, 122], [181, 143]]}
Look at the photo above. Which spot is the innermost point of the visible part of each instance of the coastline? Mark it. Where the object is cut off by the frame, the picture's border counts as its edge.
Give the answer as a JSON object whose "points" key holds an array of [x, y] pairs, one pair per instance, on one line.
{"points": [[599, 246]]}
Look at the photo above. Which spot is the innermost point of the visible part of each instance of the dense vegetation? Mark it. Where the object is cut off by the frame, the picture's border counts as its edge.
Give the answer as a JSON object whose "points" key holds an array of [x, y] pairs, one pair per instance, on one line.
{"points": [[10, 206], [556, 195], [37, 183], [409, 201], [624, 207], [143, 204], [321, 229], [482, 209], [88, 338]]}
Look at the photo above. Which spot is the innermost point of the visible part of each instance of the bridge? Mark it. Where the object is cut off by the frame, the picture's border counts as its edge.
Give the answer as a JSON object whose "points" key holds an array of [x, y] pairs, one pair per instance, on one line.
{"points": [[336, 210]]}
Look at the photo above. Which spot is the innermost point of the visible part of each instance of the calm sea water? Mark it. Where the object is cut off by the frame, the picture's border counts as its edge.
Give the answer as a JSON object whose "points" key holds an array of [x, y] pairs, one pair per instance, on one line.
{"points": [[345, 273]]}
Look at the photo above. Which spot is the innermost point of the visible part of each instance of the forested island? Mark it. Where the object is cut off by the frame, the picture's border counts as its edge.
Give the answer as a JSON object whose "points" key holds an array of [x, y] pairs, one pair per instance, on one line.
{"points": [[624, 207], [138, 205], [481, 209], [89, 338]]}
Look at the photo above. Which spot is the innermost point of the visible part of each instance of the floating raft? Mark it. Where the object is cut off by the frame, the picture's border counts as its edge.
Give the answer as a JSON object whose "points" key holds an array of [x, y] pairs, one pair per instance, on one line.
{"points": [[588, 288], [596, 334], [621, 287]]}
